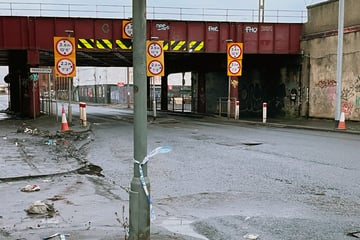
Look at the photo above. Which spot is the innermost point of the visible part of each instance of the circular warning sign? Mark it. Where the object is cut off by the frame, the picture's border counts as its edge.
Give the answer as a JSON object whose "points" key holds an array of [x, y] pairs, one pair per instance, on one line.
{"points": [[64, 47], [234, 67], [155, 67], [154, 49], [65, 66], [234, 51], [128, 29]]}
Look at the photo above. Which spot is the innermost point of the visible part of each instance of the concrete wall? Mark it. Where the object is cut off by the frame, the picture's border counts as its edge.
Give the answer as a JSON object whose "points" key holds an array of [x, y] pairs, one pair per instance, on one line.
{"points": [[320, 60], [216, 87], [323, 17]]}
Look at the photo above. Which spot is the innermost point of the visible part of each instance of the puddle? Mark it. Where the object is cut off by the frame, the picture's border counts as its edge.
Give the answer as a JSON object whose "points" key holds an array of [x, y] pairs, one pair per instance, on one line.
{"points": [[181, 226], [90, 169]]}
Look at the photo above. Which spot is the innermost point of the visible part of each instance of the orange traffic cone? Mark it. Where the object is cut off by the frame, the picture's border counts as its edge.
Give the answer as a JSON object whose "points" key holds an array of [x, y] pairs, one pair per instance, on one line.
{"points": [[64, 124], [341, 125]]}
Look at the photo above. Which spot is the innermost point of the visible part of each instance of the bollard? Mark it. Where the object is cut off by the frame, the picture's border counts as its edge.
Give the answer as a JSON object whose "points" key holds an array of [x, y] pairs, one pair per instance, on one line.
{"points": [[264, 112], [237, 109], [82, 113]]}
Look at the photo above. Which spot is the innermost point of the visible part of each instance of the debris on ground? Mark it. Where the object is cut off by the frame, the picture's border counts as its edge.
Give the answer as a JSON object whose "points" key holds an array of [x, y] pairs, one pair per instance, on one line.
{"points": [[354, 234], [41, 208], [59, 235], [251, 236], [31, 188]]}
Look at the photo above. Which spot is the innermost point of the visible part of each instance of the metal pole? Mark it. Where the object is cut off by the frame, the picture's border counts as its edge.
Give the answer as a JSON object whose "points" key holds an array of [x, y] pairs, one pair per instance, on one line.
{"points": [[228, 101], [128, 87], [139, 209], [261, 10], [69, 106], [69, 79], [339, 61], [154, 98], [49, 91], [33, 93]]}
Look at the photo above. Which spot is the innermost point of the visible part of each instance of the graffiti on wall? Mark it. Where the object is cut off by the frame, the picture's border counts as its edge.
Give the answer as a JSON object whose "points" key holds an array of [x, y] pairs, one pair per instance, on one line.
{"points": [[350, 93], [347, 107], [326, 83]]}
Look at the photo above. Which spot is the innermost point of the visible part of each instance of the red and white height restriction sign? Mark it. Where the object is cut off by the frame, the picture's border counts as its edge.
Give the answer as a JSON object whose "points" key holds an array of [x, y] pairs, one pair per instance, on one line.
{"points": [[65, 56], [234, 59], [154, 58]]}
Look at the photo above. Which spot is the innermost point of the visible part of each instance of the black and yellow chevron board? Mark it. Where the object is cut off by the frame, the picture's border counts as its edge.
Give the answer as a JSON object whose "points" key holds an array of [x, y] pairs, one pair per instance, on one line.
{"points": [[86, 43], [103, 44], [166, 45], [91, 43], [125, 44], [178, 45], [196, 46]]}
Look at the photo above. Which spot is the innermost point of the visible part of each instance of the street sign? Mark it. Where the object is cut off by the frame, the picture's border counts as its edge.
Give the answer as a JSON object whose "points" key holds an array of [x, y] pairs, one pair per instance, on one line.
{"points": [[65, 56], [235, 67], [154, 58], [40, 70], [234, 59], [127, 29], [65, 67], [64, 47], [235, 51], [155, 68]]}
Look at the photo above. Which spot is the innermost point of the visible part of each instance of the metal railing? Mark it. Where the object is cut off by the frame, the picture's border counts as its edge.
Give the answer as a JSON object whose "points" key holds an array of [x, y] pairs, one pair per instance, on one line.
{"points": [[180, 104], [153, 12], [223, 107]]}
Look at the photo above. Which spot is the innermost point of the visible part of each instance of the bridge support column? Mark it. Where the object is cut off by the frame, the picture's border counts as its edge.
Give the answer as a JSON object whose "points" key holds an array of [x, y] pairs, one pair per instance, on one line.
{"points": [[201, 93], [24, 94], [33, 60], [164, 93]]}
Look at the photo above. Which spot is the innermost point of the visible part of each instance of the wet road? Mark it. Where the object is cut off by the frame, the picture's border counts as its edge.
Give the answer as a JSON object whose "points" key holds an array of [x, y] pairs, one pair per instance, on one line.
{"points": [[229, 181], [220, 181]]}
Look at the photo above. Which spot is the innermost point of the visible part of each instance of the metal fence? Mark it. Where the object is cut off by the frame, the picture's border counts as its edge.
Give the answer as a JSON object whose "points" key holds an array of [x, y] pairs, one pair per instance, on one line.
{"points": [[170, 13], [180, 104], [226, 108]]}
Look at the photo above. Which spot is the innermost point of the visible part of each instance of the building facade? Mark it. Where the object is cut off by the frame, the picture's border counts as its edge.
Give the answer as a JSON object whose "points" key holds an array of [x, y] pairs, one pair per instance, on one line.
{"points": [[319, 45]]}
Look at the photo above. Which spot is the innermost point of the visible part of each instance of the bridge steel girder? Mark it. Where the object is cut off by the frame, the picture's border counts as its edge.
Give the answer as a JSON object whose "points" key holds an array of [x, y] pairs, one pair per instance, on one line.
{"points": [[179, 36]]}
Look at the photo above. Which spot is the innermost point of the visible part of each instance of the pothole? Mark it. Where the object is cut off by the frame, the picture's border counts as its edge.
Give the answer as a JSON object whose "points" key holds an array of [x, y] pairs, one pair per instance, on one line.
{"points": [[251, 143], [90, 169]]}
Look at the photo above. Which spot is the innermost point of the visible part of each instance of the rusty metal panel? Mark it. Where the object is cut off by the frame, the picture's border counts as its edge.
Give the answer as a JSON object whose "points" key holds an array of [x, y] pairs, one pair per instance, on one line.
{"points": [[251, 37], [178, 31], [62, 25], [196, 31], [84, 28], [295, 33], [239, 33], [212, 37], [159, 30], [103, 29], [13, 33], [225, 34], [42, 30], [266, 38], [282, 38]]}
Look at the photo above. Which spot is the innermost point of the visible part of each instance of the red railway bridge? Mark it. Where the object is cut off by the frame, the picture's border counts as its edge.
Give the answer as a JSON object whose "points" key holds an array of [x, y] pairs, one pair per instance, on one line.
{"points": [[271, 55]]}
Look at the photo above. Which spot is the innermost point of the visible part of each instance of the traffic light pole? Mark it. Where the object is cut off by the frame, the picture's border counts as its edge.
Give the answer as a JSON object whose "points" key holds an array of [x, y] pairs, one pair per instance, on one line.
{"points": [[139, 209]]}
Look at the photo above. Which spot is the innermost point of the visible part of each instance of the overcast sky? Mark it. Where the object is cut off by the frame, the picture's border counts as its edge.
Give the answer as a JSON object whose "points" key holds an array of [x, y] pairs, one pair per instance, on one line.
{"points": [[243, 4]]}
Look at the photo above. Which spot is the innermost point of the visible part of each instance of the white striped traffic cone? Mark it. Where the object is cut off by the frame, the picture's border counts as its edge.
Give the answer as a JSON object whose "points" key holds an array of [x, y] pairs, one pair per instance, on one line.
{"points": [[341, 125]]}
